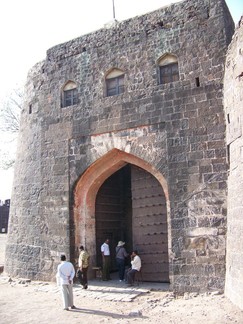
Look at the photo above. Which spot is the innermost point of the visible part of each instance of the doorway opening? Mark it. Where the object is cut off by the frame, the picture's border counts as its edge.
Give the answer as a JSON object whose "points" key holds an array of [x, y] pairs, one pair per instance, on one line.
{"points": [[130, 206]]}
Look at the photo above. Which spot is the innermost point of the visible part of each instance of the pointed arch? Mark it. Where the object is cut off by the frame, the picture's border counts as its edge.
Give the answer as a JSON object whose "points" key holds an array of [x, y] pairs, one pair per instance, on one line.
{"points": [[167, 58], [101, 169], [114, 72], [88, 186], [69, 85]]}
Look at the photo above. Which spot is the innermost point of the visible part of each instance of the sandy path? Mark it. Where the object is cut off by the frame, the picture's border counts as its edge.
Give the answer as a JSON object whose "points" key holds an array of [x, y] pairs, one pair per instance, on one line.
{"points": [[40, 303]]}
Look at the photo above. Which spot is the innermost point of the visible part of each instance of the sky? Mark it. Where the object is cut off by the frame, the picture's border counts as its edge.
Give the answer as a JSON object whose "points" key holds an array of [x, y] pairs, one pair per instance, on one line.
{"points": [[28, 28]]}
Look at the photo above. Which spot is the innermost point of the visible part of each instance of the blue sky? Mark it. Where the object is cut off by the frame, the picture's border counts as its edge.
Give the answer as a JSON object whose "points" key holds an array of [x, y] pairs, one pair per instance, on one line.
{"points": [[28, 28], [236, 8]]}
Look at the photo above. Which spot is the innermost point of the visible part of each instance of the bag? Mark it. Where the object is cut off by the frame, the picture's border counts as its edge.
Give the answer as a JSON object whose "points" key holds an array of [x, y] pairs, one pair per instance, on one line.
{"points": [[79, 274]]}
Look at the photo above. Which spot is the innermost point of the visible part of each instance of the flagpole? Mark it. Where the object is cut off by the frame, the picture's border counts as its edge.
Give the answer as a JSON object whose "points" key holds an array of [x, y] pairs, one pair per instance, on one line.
{"points": [[114, 15]]}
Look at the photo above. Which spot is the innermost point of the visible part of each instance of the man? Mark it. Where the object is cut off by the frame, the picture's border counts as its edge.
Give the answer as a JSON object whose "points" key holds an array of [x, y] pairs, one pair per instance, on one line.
{"points": [[83, 263], [105, 250], [136, 266], [121, 255], [65, 275]]}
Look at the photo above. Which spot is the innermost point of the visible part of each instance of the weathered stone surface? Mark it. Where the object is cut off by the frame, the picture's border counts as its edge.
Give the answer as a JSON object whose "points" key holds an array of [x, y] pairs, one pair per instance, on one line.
{"points": [[233, 101], [175, 130]]}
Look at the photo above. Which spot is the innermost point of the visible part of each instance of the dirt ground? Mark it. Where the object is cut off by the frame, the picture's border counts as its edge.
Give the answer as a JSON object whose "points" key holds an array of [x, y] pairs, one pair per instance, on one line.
{"points": [[23, 302]]}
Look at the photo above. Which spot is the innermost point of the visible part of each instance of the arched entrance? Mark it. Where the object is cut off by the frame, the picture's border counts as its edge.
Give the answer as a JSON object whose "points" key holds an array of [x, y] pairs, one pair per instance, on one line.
{"points": [[130, 206], [124, 198]]}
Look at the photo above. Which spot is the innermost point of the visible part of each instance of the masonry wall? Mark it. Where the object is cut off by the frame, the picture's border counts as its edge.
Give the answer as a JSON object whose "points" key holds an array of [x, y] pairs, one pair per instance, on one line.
{"points": [[178, 128], [233, 99]]}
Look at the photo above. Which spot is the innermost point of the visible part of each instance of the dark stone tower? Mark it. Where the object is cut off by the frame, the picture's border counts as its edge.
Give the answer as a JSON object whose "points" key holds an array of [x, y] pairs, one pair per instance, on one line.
{"points": [[123, 136]]}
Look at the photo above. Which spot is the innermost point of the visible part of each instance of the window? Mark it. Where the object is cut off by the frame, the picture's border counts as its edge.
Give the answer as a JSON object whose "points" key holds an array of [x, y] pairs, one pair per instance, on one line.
{"points": [[70, 97], [114, 83], [168, 69], [115, 86], [169, 73], [70, 94]]}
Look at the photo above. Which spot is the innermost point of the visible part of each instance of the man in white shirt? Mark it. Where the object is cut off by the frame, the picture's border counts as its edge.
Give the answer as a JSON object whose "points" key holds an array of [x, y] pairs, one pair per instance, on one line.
{"points": [[105, 250], [136, 266], [65, 275]]}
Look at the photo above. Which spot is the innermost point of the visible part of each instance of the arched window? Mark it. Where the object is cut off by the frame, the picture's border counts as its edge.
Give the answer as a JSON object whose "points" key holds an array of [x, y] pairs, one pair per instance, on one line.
{"points": [[69, 94], [114, 82], [168, 69]]}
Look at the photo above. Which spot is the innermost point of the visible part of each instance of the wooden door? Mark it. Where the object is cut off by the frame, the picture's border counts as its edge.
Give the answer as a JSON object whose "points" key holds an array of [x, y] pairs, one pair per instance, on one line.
{"points": [[149, 225], [113, 213]]}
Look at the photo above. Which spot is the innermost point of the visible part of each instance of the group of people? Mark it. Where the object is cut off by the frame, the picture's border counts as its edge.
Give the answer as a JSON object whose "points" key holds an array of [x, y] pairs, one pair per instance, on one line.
{"points": [[121, 256], [66, 272]]}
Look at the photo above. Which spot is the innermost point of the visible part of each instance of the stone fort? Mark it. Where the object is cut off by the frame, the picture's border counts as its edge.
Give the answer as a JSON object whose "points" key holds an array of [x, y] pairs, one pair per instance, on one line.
{"points": [[126, 134]]}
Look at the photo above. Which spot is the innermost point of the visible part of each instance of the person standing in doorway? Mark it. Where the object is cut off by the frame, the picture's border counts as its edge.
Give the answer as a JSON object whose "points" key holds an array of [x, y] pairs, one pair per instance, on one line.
{"points": [[64, 276], [83, 263], [105, 250], [121, 255]]}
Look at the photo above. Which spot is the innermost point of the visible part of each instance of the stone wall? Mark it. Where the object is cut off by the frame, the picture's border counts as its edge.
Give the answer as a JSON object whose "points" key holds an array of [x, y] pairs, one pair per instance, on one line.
{"points": [[233, 100], [177, 128]]}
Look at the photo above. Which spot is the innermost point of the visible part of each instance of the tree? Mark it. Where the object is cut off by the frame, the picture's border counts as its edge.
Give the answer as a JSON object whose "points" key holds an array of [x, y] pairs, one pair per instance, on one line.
{"points": [[10, 112], [9, 127]]}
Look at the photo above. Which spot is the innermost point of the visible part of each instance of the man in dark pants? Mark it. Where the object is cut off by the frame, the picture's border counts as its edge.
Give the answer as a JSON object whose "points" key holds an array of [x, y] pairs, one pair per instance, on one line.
{"points": [[121, 255], [83, 263], [105, 250]]}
